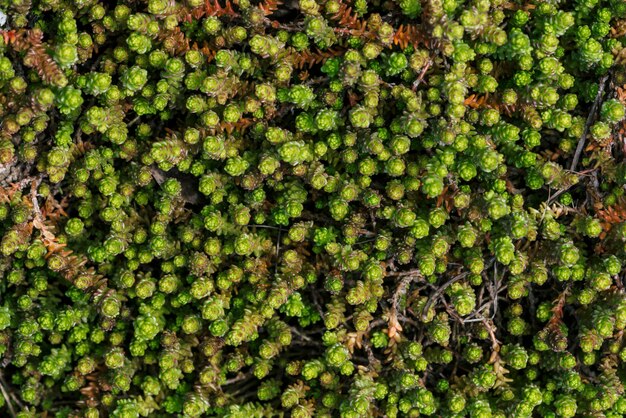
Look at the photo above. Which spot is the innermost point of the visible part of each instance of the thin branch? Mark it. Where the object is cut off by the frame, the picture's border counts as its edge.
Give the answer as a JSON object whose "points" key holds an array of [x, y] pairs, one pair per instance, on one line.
{"points": [[267, 226], [439, 292], [277, 251], [473, 317], [412, 272], [495, 344], [419, 79], [300, 334], [394, 326], [493, 289], [7, 399], [375, 323], [373, 361], [590, 118], [240, 377], [316, 303], [552, 197], [16, 400], [134, 121], [407, 320]]}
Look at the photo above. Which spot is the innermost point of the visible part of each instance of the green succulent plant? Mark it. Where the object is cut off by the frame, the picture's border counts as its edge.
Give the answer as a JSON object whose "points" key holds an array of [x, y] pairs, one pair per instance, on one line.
{"points": [[316, 208]]}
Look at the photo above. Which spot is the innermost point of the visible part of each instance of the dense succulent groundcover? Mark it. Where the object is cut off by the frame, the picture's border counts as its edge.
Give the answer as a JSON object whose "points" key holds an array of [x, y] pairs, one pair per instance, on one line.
{"points": [[312, 208]]}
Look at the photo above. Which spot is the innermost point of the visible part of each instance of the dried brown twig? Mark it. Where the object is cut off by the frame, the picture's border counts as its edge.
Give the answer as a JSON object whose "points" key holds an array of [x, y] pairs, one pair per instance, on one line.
{"points": [[394, 326], [9, 397], [439, 292], [590, 119]]}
